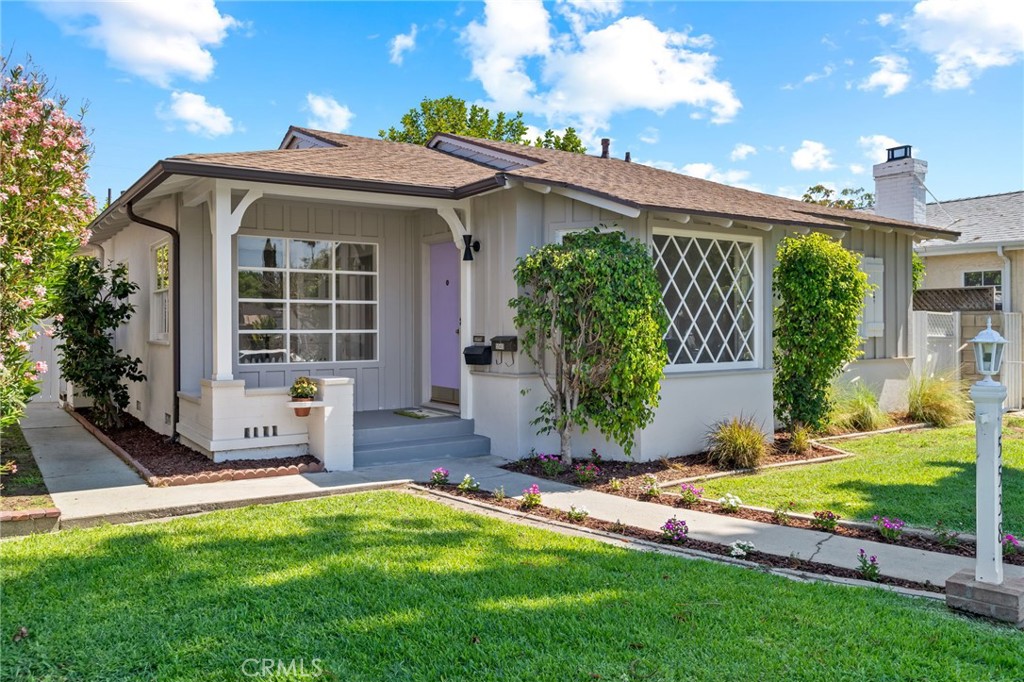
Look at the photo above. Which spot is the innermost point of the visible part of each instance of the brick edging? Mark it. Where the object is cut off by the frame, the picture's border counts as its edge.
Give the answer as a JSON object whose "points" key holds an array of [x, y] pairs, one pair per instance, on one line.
{"points": [[155, 481], [29, 514]]}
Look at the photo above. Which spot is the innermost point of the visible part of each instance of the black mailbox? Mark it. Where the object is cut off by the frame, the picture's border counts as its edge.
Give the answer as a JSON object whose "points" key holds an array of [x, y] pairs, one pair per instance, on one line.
{"points": [[477, 355], [505, 343]]}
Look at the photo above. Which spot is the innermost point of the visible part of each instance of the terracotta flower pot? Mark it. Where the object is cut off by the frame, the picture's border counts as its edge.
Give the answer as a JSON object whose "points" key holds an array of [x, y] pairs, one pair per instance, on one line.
{"points": [[302, 411]]}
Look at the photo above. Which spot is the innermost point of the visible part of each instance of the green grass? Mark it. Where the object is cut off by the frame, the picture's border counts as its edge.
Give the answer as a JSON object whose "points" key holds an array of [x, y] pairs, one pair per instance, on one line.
{"points": [[387, 586], [921, 477], [24, 489]]}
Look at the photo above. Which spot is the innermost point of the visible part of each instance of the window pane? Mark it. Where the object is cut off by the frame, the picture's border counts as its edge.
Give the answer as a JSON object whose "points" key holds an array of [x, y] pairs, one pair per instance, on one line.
{"points": [[260, 348], [356, 257], [992, 278], [709, 300], [356, 316], [261, 315], [310, 316], [309, 285], [311, 348], [357, 347], [307, 255], [163, 269], [972, 279], [260, 284], [356, 288], [257, 252]]}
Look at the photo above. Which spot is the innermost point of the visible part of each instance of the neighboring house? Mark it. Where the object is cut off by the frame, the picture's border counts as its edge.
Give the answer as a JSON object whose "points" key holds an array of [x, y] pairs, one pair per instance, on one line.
{"points": [[345, 258], [989, 252]]}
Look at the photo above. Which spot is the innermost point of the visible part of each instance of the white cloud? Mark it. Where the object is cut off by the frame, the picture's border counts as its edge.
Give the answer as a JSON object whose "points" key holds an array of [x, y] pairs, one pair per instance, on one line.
{"points": [[742, 151], [650, 135], [884, 19], [874, 146], [790, 192], [199, 116], [892, 75], [812, 156], [327, 114], [583, 13], [154, 40], [589, 74], [965, 38], [402, 43], [708, 171], [825, 73], [857, 169]]}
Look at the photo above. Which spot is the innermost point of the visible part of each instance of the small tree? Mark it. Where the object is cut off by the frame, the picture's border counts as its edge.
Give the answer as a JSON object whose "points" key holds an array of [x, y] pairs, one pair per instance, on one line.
{"points": [[93, 302], [820, 288], [44, 209], [917, 270], [569, 142], [592, 320]]}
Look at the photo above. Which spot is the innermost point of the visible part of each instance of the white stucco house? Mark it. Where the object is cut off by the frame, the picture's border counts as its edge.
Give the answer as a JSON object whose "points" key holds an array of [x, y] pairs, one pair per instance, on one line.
{"points": [[346, 259]]}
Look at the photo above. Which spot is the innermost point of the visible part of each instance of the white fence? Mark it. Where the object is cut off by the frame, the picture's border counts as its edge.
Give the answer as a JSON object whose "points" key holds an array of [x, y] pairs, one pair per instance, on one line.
{"points": [[939, 348]]}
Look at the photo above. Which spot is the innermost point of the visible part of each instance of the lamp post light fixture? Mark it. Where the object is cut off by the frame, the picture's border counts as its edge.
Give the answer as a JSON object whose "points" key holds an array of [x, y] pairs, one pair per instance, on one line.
{"points": [[984, 591]]}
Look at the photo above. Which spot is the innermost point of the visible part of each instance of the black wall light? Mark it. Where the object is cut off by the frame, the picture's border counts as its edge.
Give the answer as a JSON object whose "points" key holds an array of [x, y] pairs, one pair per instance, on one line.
{"points": [[471, 246]]}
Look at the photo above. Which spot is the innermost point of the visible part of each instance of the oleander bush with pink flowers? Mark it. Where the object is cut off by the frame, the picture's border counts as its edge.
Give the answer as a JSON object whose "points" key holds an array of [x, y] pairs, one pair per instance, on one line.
{"points": [[44, 209]]}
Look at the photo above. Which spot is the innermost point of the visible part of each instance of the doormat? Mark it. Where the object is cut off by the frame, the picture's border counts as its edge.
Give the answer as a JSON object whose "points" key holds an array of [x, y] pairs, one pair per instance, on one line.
{"points": [[422, 413]]}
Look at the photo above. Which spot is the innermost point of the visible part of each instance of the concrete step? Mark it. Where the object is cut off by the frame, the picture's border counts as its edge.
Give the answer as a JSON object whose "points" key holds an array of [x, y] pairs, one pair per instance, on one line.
{"points": [[392, 452], [440, 427]]}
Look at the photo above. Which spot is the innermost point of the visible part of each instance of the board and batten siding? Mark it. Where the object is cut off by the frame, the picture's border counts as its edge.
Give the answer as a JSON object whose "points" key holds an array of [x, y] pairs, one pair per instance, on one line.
{"points": [[895, 251], [392, 380]]}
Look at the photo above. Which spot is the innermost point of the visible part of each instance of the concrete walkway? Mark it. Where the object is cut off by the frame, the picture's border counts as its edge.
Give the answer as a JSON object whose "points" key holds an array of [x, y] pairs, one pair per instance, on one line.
{"points": [[90, 485]]}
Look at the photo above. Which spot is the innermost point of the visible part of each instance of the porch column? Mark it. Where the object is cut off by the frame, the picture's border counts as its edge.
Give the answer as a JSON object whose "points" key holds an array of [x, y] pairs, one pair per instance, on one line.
{"points": [[224, 222], [460, 226]]}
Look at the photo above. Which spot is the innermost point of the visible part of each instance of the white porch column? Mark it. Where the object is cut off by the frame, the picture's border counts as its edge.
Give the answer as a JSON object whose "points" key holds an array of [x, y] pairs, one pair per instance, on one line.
{"points": [[224, 222], [331, 430], [459, 227]]}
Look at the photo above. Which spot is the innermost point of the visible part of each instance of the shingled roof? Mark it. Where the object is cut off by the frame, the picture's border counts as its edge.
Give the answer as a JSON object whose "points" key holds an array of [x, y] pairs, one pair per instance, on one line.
{"points": [[351, 162], [992, 219]]}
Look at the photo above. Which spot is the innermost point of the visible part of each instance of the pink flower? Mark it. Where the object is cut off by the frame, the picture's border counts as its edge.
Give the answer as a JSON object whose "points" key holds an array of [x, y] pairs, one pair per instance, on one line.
{"points": [[41, 367], [23, 345], [48, 331], [26, 303], [31, 377], [24, 258], [40, 291], [58, 317], [13, 334]]}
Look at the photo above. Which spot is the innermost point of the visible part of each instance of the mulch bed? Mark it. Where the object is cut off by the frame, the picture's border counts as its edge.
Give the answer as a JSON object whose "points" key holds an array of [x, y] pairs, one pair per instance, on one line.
{"points": [[761, 558], [162, 462], [631, 474]]}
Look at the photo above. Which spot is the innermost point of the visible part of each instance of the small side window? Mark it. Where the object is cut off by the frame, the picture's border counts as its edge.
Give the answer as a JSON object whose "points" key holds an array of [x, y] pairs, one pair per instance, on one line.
{"points": [[159, 310]]}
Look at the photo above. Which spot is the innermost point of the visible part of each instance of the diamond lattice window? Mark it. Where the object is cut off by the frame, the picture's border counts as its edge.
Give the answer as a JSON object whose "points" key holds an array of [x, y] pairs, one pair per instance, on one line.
{"points": [[708, 286]]}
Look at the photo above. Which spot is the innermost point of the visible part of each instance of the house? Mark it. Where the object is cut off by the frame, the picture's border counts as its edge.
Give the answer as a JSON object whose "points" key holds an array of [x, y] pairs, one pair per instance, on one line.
{"points": [[989, 251], [370, 265]]}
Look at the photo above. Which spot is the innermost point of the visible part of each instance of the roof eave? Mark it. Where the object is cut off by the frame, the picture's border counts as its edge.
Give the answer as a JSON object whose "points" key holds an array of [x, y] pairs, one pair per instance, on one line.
{"points": [[975, 247]]}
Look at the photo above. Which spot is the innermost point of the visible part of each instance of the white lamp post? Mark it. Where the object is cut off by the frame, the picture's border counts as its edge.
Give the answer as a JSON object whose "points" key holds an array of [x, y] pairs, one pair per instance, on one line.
{"points": [[988, 397]]}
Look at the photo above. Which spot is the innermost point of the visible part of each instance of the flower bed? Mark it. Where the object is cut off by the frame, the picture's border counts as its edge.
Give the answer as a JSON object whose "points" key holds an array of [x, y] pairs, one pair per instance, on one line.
{"points": [[677, 537], [598, 473], [162, 463]]}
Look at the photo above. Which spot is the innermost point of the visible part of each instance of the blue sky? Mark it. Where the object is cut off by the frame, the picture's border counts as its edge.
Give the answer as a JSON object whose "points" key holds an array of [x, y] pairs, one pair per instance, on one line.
{"points": [[774, 96]]}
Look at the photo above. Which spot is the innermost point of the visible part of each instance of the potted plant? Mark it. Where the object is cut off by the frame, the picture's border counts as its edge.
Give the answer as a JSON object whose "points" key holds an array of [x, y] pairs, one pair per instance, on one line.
{"points": [[302, 391]]}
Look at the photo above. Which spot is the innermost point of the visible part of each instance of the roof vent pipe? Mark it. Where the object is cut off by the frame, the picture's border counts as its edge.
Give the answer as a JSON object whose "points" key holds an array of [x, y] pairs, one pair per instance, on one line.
{"points": [[629, 157], [605, 142]]}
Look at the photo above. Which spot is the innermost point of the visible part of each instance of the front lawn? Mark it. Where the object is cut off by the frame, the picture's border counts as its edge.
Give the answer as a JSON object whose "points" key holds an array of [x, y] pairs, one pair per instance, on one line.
{"points": [[919, 476], [25, 488], [388, 586]]}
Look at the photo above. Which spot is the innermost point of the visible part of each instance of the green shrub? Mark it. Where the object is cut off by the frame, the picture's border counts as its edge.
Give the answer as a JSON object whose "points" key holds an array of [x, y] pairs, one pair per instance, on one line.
{"points": [[820, 288], [856, 409], [939, 401], [800, 440], [736, 443]]}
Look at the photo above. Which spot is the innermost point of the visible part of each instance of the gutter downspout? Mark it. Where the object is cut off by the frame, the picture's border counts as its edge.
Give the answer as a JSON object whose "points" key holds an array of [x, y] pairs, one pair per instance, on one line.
{"points": [[175, 303], [1007, 288]]}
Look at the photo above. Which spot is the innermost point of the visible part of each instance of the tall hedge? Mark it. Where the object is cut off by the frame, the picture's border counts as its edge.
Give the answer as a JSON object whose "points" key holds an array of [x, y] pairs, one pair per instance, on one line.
{"points": [[591, 319], [820, 289]]}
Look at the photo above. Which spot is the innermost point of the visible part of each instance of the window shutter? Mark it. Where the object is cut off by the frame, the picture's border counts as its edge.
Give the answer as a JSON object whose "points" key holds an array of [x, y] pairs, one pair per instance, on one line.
{"points": [[873, 325]]}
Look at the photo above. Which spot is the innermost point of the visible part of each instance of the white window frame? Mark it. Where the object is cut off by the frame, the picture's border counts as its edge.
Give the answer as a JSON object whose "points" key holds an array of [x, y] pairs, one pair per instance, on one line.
{"points": [[757, 362], [998, 287], [160, 297], [287, 301]]}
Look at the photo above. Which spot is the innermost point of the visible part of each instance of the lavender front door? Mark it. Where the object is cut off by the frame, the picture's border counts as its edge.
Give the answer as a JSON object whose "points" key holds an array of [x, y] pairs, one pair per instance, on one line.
{"points": [[445, 348]]}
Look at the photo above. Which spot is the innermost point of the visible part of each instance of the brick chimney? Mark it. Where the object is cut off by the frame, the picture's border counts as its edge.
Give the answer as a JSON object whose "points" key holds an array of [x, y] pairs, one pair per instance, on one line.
{"points": [[605, 143], [899, 186]]}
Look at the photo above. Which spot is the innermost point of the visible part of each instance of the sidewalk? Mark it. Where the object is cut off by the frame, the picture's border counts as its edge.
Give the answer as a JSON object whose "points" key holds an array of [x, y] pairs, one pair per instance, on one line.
{"points": [[90, 486]]}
